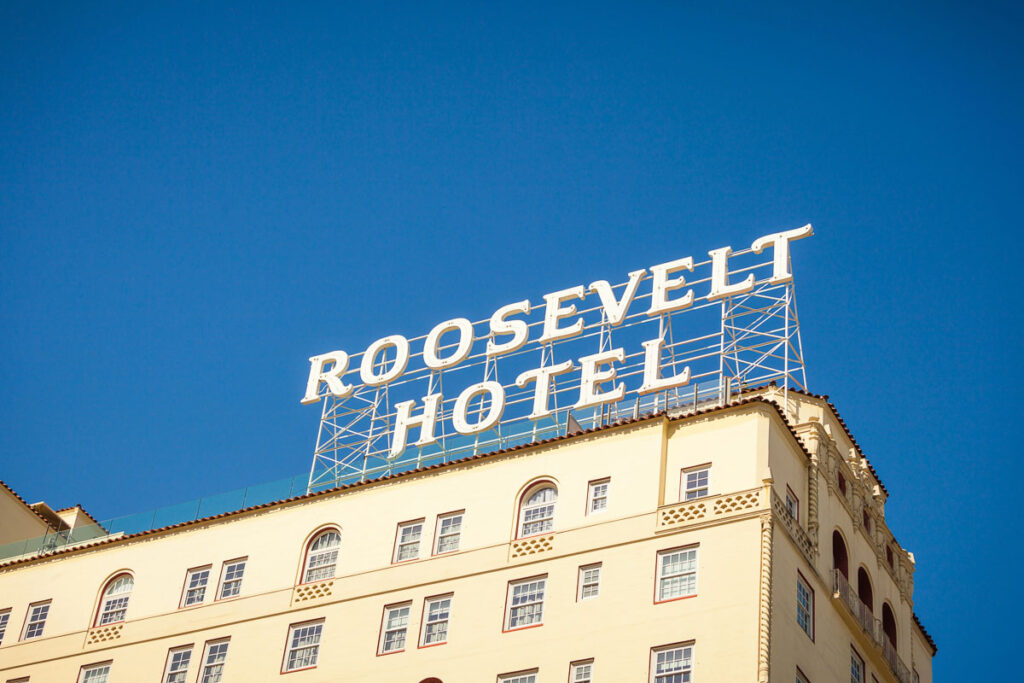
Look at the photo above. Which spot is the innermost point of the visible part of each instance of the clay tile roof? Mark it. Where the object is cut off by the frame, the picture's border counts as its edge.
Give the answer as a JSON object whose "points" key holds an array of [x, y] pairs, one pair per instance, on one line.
{"points": [[927, 636]]}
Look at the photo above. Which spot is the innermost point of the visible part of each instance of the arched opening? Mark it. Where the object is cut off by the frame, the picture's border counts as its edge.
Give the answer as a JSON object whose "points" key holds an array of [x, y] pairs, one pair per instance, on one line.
{"points": [[431, 680], [322, 556], [114, 601], [889, 623], [537, 510], [840, 560], [864, 589]]}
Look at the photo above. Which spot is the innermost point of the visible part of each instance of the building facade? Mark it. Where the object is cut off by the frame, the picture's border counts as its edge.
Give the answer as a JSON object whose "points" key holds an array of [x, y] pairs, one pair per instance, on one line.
{"points": [[744, 542]]}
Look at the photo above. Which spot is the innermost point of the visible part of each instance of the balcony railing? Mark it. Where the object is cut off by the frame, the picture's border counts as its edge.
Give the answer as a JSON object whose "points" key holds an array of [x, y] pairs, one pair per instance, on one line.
{"points": [[860, 611], [893, 659], [871, 626]]}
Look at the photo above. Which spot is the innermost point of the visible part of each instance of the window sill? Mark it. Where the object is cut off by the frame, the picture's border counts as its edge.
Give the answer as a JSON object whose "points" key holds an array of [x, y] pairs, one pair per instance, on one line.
{"points": [[291, 671], [521, 628]]}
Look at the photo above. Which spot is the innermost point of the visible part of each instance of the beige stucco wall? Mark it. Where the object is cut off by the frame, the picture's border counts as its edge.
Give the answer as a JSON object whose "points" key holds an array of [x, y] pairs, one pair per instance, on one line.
{"points": [[17, 521], [744, 445]]}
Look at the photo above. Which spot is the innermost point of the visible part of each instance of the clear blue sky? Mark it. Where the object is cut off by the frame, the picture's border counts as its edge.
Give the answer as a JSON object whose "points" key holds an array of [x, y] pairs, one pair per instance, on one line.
{"points": [[195, 199]]}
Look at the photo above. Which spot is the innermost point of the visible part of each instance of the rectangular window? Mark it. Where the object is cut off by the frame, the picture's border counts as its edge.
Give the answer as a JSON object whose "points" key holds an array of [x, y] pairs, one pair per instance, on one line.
{"points": [[597, 496], [672, 664], [5, 618], [582, 672], [521, 677], [804, 606], [677, 573], [231, 579], [36, 619], [303, 645], [213, 661], [525, 603], [589, 581], [394, 627], [436, 613], [407, 541], [178, 661], [449, 533], [856, 667], [95, 673], [696, 482], [195, 586], [792, 504]]}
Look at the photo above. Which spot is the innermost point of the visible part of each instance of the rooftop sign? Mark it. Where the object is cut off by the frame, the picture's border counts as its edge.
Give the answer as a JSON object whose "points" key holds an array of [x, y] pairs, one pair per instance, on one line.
{"points": [[477, 386]]}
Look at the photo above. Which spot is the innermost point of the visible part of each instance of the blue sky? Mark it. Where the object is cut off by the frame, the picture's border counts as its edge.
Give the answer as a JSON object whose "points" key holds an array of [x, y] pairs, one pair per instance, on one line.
{"points": [[195, 198]]}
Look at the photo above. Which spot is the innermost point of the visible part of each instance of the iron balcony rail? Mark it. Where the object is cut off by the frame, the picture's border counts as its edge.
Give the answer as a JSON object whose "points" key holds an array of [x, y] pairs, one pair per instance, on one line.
{"points": [[860, 611], [871, 626]]}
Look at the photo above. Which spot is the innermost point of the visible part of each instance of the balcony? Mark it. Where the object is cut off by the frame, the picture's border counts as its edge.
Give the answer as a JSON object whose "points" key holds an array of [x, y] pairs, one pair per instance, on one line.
{"points": [[872, 627], [861, 612]]}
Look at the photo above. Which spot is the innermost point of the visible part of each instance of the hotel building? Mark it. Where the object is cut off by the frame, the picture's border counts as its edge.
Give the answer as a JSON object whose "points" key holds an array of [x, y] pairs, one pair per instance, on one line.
{"points": [[741, 542]]}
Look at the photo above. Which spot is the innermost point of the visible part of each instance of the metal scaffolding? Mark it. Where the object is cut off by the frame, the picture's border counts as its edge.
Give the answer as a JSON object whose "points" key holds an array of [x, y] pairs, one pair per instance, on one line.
{"points": [[746, 340]]}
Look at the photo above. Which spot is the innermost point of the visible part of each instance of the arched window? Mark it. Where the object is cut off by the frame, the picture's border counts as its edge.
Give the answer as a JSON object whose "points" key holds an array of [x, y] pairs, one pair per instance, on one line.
{"points": [[839, 557], [889, 623], [114, 602], [864, 589], [322, 556], [537, 510]]}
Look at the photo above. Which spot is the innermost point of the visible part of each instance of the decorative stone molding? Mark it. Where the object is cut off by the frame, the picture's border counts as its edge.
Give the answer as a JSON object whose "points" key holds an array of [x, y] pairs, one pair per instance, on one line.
{"points": [[532, 546], [793, 528], [708, 508], [103, 634], [765, 599], [313, 591]]}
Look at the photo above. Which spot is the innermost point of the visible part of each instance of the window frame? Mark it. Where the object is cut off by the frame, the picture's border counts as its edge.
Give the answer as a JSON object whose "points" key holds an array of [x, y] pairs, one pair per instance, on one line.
{"points": [[101, 607], [170, 657], [591, 489], [438, 535], [221, 583], [658, 577], [856, 657], [795, 512], [316, 647], [28, 622], [581, 584], [801, 581], [684, 488], [510, 593], [185, 589], [204, 663], [653, 659], [382, 637], [307, 555], [573, 666], [86, 668], [396, 553], [510, 677], [5, 626], [530, 491], [424, 616]]}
